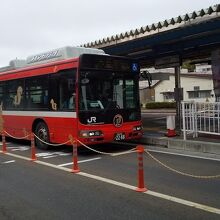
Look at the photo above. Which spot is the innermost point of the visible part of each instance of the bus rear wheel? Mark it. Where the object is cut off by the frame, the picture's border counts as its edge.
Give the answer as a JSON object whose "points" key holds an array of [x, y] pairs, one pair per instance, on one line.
{"points": [[42, 132]]}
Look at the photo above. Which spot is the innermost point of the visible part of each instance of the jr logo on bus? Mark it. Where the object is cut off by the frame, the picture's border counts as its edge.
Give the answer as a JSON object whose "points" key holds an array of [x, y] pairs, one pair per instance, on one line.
{"points": [[91, 120]]}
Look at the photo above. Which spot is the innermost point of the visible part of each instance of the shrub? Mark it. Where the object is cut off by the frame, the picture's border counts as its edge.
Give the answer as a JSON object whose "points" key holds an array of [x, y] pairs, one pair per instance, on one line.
{"points": [[156, 105]]}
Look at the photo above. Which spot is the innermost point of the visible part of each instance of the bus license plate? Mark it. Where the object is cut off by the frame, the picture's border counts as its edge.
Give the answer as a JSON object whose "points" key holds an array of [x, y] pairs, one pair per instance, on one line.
{"points": [[119, 136]]}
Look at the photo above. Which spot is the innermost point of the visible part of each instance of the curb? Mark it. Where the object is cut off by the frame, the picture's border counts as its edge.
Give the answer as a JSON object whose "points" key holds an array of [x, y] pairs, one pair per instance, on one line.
{"points": [[179, 144]]}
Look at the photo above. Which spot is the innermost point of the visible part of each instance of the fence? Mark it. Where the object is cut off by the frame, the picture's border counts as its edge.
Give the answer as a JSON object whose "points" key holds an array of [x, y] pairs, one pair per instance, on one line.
{"points": [[198, 117]]}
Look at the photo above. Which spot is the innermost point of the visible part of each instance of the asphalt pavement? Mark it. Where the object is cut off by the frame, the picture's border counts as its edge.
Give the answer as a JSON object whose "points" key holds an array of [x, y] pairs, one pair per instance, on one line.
{"points": [[105, 186]]}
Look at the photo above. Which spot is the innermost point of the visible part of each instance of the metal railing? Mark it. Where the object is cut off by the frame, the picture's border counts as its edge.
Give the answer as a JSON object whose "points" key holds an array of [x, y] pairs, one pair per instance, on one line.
{"points": [[198, 117]]}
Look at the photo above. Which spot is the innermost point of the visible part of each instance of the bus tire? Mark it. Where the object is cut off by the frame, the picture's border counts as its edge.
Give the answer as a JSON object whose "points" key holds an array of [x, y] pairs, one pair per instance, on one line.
{"points": [[41, 131]]}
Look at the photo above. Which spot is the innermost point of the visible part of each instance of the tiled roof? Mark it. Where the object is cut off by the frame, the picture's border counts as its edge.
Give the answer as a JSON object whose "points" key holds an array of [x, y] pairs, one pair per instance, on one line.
{"points": [[189, 18]]}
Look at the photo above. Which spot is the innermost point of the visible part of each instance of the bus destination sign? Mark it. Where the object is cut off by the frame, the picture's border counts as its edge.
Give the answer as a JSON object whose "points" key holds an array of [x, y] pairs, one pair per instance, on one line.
{"points": [[97, 62]]}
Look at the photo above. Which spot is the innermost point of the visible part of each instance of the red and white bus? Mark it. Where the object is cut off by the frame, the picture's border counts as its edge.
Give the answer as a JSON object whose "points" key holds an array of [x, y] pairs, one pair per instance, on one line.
{"points": [[75, 91]]}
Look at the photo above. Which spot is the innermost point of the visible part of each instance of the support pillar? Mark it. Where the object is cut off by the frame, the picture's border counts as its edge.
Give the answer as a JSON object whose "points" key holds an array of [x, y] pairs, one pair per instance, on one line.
{"points": [[178, 91]]}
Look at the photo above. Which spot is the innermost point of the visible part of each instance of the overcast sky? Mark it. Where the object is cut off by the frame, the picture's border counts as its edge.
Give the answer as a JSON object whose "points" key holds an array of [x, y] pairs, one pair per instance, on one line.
{"points": [[33, 26]]}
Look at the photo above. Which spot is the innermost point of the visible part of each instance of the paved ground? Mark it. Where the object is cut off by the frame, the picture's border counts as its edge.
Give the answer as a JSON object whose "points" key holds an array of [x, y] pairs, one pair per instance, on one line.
{"points": [[105, 187]]}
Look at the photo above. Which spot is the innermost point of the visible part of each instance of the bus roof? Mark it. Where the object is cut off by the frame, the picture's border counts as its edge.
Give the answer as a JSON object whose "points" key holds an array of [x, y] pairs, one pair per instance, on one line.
{"points": [[59, 54]]}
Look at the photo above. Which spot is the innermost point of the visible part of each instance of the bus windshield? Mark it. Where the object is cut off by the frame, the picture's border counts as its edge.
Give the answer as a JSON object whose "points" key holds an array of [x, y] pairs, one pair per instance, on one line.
{"points": [[104, 94], [107, 91]]}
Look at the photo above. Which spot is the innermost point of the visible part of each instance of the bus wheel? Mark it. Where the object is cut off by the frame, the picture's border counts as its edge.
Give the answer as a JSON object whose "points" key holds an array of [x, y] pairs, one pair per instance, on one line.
{"points": [[42, 132]]}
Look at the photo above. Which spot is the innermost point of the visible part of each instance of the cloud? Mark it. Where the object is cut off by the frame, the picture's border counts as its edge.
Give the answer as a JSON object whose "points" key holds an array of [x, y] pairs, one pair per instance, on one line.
{"points": [[29, 27]]}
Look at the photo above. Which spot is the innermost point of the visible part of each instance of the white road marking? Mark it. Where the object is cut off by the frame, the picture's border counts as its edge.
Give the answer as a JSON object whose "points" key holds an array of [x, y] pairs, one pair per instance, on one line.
{"points": [[127, 186], [17, 156], [8, 142], [65, 164], [184, 202], [56, 155], [80, 161], [121, 153], [44, 154], [19, 148], [10, 161], [47, 155], [52, 156], [65, 154]]}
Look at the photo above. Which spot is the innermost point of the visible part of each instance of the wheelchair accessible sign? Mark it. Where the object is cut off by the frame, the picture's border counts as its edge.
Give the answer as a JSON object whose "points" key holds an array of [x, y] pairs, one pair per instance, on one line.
{"points": [[134, 67]]}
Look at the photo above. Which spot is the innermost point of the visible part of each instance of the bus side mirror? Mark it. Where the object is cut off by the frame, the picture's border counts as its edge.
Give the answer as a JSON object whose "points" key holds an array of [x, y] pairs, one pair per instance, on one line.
{"points": [[145, 75]]}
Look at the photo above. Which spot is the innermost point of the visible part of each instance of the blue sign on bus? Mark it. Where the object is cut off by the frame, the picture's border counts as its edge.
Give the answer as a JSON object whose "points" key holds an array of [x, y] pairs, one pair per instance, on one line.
{"points": [[134, 67]]}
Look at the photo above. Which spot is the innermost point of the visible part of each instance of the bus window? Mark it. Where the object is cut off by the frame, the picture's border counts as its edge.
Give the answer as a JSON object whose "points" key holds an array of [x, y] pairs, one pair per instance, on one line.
{"points": [[37, 92], [53, 91], [130, 93], [1, 95], [67, 90], [14, 94], [63, 90], [118, 92]]}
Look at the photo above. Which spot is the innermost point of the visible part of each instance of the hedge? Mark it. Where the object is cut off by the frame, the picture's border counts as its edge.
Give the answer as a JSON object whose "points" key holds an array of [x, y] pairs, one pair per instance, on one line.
{"points": [[156, 105]]}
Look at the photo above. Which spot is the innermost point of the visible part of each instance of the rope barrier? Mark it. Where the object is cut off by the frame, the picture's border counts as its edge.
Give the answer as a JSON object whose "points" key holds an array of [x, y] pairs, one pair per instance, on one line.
{"points": [[19, 138], [180, 172], [105, 153], [55, 145], [24, 137]]}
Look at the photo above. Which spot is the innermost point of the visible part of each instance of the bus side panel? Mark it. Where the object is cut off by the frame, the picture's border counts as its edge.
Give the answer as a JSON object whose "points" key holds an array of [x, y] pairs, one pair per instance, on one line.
{"points": [[59, 128], [17, 126]]}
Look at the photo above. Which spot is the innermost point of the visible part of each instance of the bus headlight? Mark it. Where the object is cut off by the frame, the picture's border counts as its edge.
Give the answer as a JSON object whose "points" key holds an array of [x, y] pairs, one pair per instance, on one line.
{"points": [[87, 134], [137, 128]]}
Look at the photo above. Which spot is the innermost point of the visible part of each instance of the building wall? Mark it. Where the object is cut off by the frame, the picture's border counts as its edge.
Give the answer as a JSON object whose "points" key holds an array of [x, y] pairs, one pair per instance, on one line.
{"points": [[201, 68], [147, 95], [188, 84], [164, 86]]}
